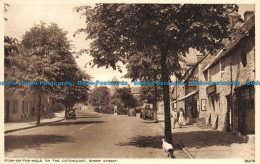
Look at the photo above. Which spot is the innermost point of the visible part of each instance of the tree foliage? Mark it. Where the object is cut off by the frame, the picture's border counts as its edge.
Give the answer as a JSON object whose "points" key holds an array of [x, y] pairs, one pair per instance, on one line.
{"points": [[118, 31], [5, 9], [45, 55], [123, 97], [148, 92], [100, 96]]}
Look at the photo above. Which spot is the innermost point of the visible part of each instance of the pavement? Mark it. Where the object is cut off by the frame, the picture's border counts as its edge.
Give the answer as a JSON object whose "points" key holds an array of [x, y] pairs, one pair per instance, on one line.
{"points": [[201, 143], [16, 126]]}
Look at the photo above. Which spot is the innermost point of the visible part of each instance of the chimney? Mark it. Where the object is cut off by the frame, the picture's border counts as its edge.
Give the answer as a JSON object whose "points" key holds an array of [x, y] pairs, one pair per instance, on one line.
{"points": [[247, 14], [199, 57], [233, 19]]}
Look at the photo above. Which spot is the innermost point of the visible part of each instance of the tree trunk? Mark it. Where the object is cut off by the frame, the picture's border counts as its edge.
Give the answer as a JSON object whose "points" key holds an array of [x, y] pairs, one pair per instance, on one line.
{"points": [[66, 109], [39, 112], [166, 97], [155, 104]]}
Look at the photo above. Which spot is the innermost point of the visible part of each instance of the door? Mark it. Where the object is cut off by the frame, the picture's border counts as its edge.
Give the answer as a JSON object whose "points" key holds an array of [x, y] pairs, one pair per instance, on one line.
{"points": [[245, 109], [6, 111], [228, 121]]}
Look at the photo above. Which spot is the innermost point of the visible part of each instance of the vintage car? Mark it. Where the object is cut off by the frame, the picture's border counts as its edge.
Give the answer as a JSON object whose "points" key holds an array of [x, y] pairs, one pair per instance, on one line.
{"points": [[70, 114], [146, 113]]}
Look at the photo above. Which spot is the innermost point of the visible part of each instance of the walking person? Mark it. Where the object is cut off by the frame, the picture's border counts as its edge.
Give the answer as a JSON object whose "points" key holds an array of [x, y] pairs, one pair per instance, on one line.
{"points": [[181, 120], [175, 117]]}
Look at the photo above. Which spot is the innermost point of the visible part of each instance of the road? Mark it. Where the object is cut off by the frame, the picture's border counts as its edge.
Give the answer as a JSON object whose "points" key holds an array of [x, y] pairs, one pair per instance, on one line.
{"points": [[91, 135]]}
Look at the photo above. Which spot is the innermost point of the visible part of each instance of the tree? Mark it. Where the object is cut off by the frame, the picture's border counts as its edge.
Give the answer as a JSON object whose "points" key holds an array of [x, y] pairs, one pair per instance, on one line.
{"points": [[5, 10], [123, 97], [144, 66], [75, 93], [10, 49], [45, 55], [100, 96], [118, 31], [151, 94]]}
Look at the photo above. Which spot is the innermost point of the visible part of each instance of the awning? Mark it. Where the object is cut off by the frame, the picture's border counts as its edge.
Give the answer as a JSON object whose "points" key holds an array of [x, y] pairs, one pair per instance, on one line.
{"points": [[186, 96]]}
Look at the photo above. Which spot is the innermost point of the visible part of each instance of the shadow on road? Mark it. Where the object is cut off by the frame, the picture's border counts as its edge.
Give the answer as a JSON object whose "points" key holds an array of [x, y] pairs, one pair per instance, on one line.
{"points": [[147, 142], [27, 142], [76, 123], [82, 116], [150, 122], [195, 139], [201, 139]]}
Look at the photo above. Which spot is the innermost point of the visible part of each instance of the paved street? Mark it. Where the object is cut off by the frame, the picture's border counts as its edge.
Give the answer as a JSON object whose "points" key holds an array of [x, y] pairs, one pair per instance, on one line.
{"points": [[95, 135], [91, 135]]}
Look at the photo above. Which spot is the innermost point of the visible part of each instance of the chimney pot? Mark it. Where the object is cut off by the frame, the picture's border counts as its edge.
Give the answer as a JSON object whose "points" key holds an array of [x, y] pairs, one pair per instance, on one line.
{"points": [[247, 14]]}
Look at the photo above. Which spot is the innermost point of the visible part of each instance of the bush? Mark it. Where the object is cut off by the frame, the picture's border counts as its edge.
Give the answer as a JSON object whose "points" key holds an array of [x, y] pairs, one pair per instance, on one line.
{"points": [[122, 111], [57, 106], [105, 111]]}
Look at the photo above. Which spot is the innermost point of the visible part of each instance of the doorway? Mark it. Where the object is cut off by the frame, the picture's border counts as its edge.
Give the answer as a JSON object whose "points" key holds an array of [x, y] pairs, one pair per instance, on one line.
{"points": [[245, 109], [228, 121], [7, 111]]}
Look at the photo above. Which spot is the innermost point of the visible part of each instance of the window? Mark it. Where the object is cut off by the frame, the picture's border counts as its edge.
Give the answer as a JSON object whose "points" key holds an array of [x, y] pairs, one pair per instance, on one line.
{"points": [[15, 108], [23, 107], [32, 108], [243, 59], [246, 96], [222, 67], [203, 105], [217, 101]]}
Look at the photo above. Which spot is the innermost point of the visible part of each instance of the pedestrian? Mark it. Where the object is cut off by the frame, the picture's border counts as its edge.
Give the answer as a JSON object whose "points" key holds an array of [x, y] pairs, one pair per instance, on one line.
{"points": [[175, 117], [181, 120]]}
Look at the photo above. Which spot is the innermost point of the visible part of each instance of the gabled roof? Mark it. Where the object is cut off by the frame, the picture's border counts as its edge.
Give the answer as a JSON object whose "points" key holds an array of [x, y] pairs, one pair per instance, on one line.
{"points": [[8, 45], [114, 79], [243, 31], [136, 89], [192, 69]]}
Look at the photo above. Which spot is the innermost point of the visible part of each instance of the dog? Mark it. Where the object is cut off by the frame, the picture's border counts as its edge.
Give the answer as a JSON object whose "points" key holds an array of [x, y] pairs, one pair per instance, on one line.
{"points": [[168, 149]]}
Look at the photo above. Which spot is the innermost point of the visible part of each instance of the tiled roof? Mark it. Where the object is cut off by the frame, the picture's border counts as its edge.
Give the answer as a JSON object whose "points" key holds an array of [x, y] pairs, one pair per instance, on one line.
{"points": [[243, 30]]}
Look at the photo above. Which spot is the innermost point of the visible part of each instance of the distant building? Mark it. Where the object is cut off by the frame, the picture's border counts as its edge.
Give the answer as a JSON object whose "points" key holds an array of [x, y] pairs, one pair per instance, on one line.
{"points": [[18, 106], [187, 96], [136, 90], [114, 87]]}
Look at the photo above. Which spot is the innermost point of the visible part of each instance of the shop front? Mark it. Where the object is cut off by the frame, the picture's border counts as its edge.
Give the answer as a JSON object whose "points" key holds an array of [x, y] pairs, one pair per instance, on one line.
{"points": [[244, 109]]}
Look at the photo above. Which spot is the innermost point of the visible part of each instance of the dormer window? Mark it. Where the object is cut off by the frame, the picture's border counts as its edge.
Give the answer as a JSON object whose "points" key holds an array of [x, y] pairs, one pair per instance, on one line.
{"points": [[243, 59]]}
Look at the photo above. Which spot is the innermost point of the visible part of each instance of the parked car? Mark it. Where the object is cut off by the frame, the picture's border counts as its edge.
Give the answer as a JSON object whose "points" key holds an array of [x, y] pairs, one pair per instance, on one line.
{"points": [[138, 110], [70, 114], [147, 113], [142, 113], [131, 112]]}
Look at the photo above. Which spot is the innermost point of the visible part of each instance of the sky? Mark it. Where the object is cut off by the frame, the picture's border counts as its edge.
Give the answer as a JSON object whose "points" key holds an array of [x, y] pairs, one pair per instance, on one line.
{"points": [[22, 16]]}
